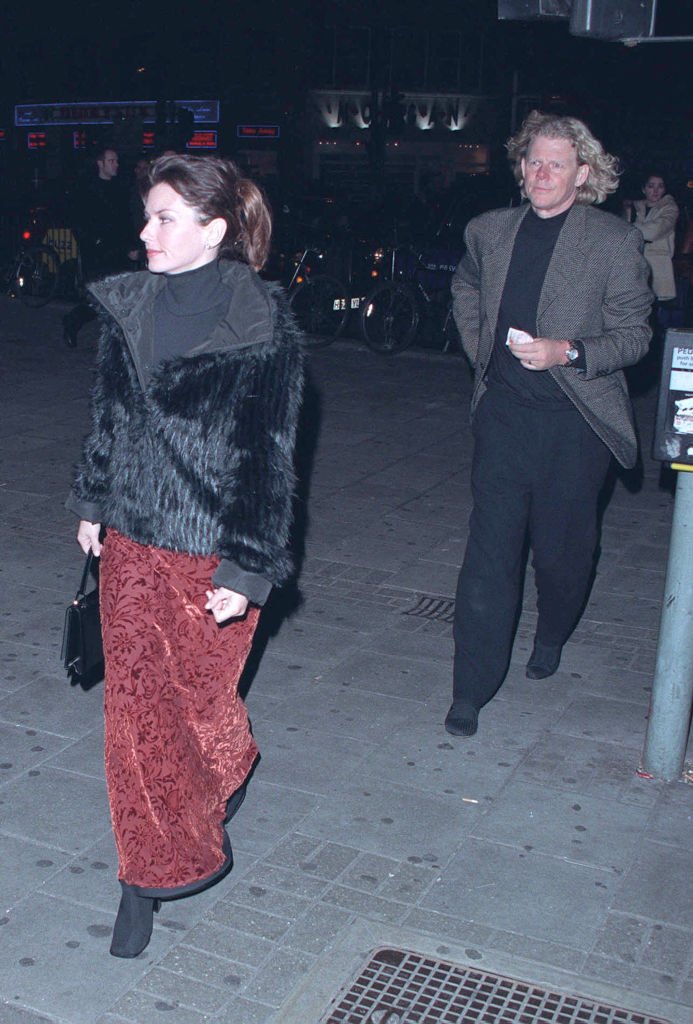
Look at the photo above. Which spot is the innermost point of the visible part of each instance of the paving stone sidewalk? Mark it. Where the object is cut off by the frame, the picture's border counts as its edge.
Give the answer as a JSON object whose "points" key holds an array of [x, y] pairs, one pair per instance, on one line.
{"points": [[533, 850]]}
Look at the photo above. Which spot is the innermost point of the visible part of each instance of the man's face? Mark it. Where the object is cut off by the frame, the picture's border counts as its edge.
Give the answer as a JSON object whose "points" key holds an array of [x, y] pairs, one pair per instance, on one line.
{"points": [[552, 175], [108, 165]]}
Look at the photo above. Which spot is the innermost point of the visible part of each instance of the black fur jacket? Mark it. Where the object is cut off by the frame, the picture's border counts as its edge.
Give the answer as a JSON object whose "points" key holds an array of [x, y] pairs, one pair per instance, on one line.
{"points": [[196, 454]]}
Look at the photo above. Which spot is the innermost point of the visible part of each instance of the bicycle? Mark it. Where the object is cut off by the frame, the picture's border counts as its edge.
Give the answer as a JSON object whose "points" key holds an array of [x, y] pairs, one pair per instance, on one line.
{"points": [[398, 311], [43, 271], [321, 303]]}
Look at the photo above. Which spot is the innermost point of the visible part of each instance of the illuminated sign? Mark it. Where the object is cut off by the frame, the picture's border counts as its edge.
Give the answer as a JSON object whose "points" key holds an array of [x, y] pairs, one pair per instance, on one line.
{"points": [[202, 140], [79, 139], [148, 140], [257, 131], [36, 140], [3, 135], [34, 115]]}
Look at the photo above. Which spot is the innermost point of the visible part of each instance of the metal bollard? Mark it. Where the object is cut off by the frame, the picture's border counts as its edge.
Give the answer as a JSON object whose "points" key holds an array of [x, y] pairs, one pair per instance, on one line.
{"points": [[672, 689]]}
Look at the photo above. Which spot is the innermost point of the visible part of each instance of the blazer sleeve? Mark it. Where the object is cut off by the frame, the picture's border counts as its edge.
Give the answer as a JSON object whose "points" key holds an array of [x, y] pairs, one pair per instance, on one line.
{"points": [[625, 308], [466, 289], [255, 521]]}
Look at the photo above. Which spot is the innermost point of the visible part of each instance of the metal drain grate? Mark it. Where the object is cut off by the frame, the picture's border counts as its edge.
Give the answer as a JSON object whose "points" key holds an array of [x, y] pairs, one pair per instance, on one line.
{"points": [[399, 987], [440, 609]]}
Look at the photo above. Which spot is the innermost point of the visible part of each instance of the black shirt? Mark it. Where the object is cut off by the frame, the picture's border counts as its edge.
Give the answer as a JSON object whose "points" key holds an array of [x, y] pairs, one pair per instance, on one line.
{"points": [[532, 252]]}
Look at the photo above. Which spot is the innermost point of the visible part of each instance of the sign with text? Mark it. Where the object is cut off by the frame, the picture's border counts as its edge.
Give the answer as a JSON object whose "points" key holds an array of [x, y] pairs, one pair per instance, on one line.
{"points": [[258, 131], [34, 115], [673, 440], [202, 140]]}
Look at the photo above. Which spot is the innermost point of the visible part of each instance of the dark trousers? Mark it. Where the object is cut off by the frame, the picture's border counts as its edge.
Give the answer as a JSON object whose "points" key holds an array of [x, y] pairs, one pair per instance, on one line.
{"points": [[92, 269], [536, 474], [78, 316]]}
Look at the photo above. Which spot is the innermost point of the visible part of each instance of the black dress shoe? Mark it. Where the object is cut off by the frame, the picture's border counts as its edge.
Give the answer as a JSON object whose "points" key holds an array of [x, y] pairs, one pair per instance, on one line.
{"points": [[544, 660], [69, 334], [133, 924], [462, 719]]}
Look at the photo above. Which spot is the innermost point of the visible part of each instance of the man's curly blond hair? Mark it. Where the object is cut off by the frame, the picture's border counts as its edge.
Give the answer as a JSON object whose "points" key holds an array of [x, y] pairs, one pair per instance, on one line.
{"points": [[603, 176]]}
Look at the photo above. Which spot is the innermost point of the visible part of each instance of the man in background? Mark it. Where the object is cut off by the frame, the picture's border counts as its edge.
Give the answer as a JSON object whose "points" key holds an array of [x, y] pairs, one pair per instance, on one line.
{"points": [[101, 222]]}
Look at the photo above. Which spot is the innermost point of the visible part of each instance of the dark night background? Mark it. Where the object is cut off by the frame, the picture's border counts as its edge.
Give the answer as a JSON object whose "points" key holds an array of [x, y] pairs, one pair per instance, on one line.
{"points": [[259, 59], [76, 50]]}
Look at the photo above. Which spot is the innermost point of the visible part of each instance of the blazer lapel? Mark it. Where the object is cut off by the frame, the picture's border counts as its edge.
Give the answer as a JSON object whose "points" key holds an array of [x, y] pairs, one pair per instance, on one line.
{"points": [[497, 262], [566, 261]]}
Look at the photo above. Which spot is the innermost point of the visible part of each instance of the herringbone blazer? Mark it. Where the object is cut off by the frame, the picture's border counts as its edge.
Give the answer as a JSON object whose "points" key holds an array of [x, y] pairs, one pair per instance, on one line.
{"points": [[595, 290]]}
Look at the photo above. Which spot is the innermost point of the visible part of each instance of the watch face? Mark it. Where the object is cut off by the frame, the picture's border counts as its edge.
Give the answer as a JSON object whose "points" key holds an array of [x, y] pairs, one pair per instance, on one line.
{"points": [[572, 354]]}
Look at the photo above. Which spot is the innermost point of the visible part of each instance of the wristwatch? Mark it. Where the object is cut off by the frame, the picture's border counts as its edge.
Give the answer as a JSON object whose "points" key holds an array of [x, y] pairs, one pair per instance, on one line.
{"points": [[571, 355]]}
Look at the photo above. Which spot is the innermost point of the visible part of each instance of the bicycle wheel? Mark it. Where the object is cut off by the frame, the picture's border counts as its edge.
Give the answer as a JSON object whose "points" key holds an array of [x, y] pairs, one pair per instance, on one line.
{"points": [[36, 276], [390, 318], [321, 306]]}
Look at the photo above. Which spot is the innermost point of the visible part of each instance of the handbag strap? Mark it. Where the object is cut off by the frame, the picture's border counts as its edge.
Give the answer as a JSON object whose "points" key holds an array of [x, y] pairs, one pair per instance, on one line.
{"points": [[85, 575]]}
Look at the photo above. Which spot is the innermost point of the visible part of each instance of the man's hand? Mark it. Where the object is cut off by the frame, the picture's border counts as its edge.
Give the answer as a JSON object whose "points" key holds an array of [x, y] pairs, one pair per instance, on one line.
{"points": [[541, 353], [226, 604]]}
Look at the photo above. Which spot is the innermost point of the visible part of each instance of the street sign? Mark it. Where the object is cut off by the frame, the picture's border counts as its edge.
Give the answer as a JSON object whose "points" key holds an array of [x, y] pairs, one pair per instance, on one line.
{"points": [[673, 441]]}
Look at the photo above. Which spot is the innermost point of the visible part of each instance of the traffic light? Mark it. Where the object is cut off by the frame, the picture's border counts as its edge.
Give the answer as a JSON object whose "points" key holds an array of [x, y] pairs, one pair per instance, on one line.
{"points": [[606, 19], [600, 19]]}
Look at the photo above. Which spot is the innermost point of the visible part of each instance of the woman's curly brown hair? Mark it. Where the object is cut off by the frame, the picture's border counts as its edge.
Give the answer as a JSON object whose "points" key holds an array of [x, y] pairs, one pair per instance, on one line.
{"points": [[603, 176]]}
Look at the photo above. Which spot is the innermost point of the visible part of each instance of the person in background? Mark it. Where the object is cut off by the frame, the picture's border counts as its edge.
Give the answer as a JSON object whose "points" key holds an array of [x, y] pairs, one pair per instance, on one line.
{"points": [[552, 302], [189, 469], [101, 223], [655, 217]]}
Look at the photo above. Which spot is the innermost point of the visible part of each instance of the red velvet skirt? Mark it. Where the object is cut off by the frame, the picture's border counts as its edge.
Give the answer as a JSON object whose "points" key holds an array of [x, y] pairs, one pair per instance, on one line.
{"points": [[177, 740]]}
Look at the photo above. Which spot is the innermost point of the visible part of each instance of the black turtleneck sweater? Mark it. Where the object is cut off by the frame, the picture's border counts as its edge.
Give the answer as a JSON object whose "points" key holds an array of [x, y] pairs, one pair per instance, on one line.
{"points": [[532, 252], [187, 310]]}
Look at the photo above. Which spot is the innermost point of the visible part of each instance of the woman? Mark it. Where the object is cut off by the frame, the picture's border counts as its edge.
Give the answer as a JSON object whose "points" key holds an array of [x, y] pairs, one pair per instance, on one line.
{"points": [[656, 217], [189, 466]]}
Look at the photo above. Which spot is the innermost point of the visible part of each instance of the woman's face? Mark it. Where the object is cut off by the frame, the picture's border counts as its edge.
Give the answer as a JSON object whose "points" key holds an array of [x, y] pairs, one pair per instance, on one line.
{"points": [[174, 239], [654, 188]]}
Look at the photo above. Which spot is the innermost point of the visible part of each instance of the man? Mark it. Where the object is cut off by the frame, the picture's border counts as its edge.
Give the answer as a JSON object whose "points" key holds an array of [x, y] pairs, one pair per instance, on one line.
{"points": [[102, 225], [552, 301]]}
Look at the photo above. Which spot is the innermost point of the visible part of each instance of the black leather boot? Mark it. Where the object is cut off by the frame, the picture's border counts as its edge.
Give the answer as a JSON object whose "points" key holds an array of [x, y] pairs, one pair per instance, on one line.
{"points": [[133, 924], [69, 332]]}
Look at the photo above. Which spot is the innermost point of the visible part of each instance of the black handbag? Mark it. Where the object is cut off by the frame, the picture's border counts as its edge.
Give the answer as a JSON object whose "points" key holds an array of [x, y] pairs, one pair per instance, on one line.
{"points": [[82, 649]]}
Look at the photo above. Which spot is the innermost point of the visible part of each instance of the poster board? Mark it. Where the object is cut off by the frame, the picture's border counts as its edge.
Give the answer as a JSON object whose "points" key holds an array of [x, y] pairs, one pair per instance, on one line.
{"points": [[673, 440]]}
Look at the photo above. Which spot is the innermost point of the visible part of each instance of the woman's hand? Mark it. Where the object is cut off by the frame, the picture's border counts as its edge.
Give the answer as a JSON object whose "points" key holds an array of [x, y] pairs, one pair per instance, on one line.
{"points": [[88, 537], [226, 604]]}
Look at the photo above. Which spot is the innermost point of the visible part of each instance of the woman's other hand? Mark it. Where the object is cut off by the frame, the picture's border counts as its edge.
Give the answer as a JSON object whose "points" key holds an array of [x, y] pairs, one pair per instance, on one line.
{"points": [[226, 604], [88, 537]]}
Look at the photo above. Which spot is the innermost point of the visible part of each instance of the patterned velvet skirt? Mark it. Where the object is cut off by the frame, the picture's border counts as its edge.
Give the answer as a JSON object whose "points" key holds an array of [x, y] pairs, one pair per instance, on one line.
{"points": [[178, 740]]}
